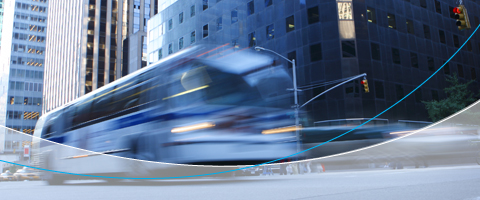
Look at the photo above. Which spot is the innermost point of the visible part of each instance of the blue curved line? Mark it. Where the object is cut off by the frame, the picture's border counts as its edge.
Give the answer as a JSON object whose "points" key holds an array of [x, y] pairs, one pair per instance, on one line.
{"points": [[192, 176]]}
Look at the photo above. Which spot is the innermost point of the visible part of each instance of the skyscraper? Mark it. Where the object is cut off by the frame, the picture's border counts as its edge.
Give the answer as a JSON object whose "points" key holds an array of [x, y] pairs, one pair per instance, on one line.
{"points": [[22, 68], [1, 21], [85, 49]]}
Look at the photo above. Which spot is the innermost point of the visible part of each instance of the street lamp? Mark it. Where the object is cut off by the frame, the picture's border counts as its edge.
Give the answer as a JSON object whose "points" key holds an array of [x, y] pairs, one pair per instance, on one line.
{"points": [[295, 92]]}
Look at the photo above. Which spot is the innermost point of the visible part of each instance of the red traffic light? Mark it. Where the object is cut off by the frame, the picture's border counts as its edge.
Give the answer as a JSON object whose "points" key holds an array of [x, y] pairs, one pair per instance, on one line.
{"points": [[362, 82], [457, 10]]}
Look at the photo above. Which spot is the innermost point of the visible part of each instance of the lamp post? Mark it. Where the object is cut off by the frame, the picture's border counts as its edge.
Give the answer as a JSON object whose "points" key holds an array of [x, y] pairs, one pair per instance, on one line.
{"points": [[295, 92]]}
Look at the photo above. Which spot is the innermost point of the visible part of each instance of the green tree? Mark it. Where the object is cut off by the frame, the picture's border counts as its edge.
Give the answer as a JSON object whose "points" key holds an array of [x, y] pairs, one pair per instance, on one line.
{"points": [[458, 97]]}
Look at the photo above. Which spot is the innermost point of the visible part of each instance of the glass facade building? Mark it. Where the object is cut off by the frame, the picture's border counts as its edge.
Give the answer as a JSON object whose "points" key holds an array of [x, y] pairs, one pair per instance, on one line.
{"points": [[398, 43], [85, 51], [22, 61]]}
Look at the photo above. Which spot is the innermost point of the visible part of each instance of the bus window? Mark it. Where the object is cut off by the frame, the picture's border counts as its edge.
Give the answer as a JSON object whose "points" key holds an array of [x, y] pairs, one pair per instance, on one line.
{"points": [[102, 106], [82, 112]]}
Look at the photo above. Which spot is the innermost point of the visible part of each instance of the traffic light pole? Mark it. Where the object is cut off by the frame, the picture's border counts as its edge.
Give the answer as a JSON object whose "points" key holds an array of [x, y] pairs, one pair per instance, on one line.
{"points": [[355, 77]]}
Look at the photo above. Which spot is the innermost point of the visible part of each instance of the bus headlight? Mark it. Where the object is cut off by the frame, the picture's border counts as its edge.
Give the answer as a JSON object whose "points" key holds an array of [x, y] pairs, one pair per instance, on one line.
{"points": [[203, 125], [282, 130]]}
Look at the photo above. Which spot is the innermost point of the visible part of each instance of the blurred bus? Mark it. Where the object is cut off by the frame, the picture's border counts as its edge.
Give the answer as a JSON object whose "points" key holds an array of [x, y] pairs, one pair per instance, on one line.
{"points": [[203, 105]]}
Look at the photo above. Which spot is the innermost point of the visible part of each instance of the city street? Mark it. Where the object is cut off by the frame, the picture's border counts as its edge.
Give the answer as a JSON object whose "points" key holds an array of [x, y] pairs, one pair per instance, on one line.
{"points": [[448, 182]]}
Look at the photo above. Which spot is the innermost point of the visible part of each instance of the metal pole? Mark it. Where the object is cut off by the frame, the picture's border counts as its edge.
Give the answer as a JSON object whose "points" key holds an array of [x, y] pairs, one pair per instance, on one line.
{"points": [[297, 133]]}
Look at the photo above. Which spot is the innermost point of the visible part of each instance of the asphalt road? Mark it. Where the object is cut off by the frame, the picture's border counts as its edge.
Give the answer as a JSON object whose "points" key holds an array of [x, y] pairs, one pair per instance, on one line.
{"points": [[459, 182]]}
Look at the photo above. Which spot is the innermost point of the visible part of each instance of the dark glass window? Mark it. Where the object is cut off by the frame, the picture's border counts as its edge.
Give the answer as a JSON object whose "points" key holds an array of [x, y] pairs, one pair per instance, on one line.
{"points": [[426, 31], [192, 37], [170, 48], [292, 56], [205, 31], [375, 51], [170, 24], [456, 43], [418, 95], [180, 18], [160, 54], [250, 8], [205, 4], [313, 15], [234, 16], [469, 46], [414, 59], [410, 27], [446, 68], [423, 3], [379, 91], [399, 91], [452, 14], [435, 95], [431, 63], [290, 23], [252, 41], [268, 3], [396, 56], [348, 49], [391, 21], [270, 32], [442, 36], [219, 23], [316, 52], [192, 11], [371, 15], [180, 43], [474, 74], [438, 7], [460, 70]]}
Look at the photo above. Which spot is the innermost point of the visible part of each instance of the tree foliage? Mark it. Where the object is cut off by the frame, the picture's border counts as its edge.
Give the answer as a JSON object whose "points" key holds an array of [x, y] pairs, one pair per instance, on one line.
{"points": [[458, 97]]}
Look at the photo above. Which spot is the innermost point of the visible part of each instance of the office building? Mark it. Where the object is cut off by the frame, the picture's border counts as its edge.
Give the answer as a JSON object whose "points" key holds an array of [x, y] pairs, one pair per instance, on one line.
{"points": [[85, 47], [22, 66], [398, 43]]}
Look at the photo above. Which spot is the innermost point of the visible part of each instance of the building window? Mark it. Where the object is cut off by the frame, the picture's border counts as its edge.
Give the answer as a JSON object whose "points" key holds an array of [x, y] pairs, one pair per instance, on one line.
{"points": [[446, 68], [418, 95], [270, 32], [452, 14], [250, 8], [290, 23], [348, 49], [180, 18], [431, 63], [442, 36], [426, 32], [455, 41], [414, 59], [205, 30], [268, 3], [292, 56], [469, 46], [460, 70], [423, 3], [170, 48], [435, 95], [438, 6], [371, 15], [399, 91], [192, 11], [234, 16], [375, 51], [192, 37], [474, 74], [379, 91], [391, 21], [252, 41], [205, 4], [180, 43], [313, 15], [170, 24], [396, 56], [219, 23], [160, 54], [344, 10], [316, 52], [410, 28]]}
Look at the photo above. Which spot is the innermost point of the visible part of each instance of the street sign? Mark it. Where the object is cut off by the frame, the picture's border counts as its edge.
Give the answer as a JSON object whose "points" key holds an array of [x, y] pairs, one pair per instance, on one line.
{"points": [[26, 151]]}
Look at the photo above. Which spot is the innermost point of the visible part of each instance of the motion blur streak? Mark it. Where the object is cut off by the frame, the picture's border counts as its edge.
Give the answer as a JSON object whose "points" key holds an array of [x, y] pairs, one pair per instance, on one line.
{"points": [[282, 130], [186, 92], [193, 127]]}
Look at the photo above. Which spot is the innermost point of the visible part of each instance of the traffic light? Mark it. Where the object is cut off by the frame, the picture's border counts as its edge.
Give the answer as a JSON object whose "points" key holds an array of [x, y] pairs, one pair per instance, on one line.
{"points": [[461, 16], [365, 85]]}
